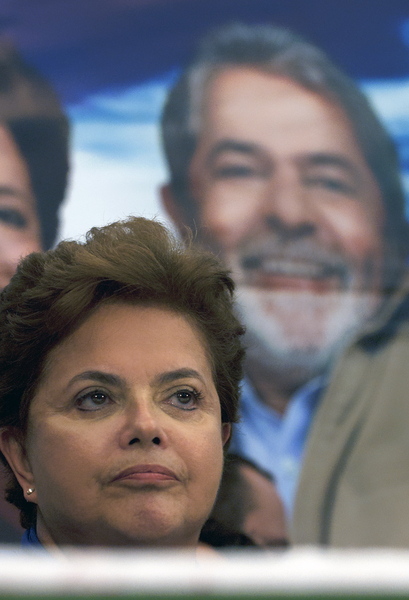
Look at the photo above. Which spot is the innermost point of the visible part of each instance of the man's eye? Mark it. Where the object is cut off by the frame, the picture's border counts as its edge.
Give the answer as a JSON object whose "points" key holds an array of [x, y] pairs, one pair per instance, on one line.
{"points": [[185, 399], [93, 401], [13, 217], [231, 171], [332, 184]]}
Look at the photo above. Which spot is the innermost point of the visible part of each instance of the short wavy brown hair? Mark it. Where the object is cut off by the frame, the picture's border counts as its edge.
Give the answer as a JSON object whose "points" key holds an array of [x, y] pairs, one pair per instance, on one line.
{"points": [[136, 261]]}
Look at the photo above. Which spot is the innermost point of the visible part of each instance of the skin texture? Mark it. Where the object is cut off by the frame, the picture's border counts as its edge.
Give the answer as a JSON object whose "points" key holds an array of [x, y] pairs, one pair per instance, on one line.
{"points": [[283, 193], [125, 441], [19, 225]]}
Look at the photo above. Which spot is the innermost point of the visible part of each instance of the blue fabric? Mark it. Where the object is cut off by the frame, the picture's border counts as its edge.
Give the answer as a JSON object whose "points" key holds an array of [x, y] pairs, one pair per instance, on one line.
{"points": [[30, 538], [276, 442]]}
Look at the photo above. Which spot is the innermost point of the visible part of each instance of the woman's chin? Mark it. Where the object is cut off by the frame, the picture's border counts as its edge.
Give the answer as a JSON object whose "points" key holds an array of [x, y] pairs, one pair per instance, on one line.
{"points": [[152, 531], [148, 527]]}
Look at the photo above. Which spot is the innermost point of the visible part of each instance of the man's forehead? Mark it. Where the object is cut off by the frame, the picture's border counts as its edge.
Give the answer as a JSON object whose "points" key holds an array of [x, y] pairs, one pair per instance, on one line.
{"points": [[230, 92], [251, 107], [243, 81], [268, 120]]}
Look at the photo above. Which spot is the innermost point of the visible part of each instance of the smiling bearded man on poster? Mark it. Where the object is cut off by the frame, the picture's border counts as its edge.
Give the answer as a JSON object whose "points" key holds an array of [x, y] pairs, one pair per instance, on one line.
{"points": [[282, 166]]}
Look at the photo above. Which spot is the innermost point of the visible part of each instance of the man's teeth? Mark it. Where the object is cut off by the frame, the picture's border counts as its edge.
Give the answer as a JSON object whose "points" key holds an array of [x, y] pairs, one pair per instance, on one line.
{"points": [[294, 269]]}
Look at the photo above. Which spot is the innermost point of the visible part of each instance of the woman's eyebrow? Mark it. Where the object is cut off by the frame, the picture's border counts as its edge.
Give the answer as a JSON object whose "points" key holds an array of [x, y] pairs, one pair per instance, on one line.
{"points": [[119, 382], [171, 376], [100, 377]]}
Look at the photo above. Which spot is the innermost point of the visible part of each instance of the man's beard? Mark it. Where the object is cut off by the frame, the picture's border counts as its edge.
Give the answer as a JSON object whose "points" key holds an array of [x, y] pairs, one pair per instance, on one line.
{"points": [[296, 335], [301, 304]]}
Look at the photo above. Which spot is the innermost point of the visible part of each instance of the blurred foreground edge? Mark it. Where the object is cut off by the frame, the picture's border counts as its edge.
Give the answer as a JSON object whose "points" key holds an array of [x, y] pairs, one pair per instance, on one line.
{"points": [[302, 573]]}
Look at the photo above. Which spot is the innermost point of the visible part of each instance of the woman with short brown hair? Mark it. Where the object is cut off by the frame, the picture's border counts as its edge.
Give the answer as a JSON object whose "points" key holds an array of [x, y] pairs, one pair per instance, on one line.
{"points": [[120, 365]]}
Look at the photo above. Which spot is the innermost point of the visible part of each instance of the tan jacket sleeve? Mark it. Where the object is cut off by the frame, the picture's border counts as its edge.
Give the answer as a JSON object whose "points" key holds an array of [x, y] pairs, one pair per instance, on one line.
{"points": [[354, 485]]}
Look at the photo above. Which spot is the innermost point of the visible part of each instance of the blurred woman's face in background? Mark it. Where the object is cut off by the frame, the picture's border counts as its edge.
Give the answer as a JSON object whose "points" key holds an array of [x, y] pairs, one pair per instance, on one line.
{"points": [[19, 225], [125, 441]]}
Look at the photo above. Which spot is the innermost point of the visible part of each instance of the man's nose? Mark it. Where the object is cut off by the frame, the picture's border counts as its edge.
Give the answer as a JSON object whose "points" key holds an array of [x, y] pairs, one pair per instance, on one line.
{"points": [[143, 425], [287, 207], [278, 202]]}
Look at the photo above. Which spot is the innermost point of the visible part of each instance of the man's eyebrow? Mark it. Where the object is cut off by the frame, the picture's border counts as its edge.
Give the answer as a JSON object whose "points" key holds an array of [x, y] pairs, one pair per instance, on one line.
{"points": [[232, 146], [100, 377], [171, 376]]}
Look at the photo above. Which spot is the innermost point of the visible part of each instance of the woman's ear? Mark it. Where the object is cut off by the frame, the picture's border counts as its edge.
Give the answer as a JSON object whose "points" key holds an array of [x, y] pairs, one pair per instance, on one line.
{"points": [[16, 456], [226, 432]]}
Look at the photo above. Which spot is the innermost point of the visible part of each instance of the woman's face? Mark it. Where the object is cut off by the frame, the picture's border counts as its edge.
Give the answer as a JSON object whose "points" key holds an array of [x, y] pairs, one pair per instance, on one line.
{"points": [[19, 224], [125, 441]]}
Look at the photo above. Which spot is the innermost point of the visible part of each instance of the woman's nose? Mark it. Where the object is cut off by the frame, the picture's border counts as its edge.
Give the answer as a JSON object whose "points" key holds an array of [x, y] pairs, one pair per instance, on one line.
{"points": [[143, 425], [9, 258], [155, 440]]}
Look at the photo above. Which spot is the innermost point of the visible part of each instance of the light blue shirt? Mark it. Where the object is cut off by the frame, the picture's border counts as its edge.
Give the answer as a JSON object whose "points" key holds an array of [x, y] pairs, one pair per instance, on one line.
{"points": [[276, 442]]}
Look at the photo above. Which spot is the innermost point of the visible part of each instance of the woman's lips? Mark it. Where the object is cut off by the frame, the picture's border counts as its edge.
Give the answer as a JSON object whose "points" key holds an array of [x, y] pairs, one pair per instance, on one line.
{"points": [[146, 473]]}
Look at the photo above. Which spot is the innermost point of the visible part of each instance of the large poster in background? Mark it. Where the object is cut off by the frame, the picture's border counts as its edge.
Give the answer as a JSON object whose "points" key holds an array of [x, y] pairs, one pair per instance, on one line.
{"points": [[283, 169], [112, 63]]}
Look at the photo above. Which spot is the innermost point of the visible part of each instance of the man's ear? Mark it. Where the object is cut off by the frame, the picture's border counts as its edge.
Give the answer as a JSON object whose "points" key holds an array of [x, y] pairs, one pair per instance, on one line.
{"points": [[16, 456], [226, 432], [173, 208]]}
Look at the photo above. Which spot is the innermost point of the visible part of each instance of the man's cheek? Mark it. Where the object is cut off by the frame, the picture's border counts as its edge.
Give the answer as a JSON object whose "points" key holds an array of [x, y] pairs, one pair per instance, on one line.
{"points": [[354, 232], [229, 214]]}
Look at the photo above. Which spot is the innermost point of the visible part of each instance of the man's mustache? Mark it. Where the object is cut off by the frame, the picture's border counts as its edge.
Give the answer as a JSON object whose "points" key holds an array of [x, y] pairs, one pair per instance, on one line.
{"points": [[299, 258]]}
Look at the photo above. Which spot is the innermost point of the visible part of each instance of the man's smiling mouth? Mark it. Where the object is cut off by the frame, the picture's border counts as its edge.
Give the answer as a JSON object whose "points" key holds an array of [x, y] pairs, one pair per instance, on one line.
{"points": [[279, 272]]}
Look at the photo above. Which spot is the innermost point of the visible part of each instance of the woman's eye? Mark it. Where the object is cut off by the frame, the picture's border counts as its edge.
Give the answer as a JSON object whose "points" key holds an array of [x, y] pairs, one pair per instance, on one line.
{"points": [[93, 401], [185, 399]]}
